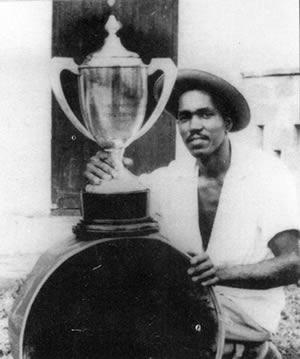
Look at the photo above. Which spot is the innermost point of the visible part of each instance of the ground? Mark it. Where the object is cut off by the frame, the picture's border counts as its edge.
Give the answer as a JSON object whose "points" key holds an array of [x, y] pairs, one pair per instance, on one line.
{"points": [[287, 339]]}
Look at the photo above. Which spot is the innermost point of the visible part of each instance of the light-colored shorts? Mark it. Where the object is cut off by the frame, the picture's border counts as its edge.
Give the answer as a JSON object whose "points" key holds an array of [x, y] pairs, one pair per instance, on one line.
{"points": [[239, 326], [244, 338]]}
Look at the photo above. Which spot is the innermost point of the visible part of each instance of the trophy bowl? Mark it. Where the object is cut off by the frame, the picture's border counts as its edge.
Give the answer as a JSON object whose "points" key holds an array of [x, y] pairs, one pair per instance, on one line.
{"points": [[113, 103]]}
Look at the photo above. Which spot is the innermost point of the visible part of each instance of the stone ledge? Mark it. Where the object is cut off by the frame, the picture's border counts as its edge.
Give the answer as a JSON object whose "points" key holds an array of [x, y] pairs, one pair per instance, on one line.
{"points": [[21, 234], [271, 73], [24, 238]]}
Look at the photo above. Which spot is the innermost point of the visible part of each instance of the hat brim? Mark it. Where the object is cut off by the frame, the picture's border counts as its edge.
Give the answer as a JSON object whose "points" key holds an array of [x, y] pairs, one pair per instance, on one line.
{"points": [[187, 79]]}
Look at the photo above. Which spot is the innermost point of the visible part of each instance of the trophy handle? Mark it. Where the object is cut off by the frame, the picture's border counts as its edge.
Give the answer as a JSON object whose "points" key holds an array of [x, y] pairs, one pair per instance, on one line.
{"points": [[170, 72], [58, 64]]}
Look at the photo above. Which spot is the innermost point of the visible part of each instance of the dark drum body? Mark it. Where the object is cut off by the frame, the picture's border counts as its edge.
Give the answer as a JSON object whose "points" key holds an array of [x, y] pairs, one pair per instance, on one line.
{"points": [[115, 298]]}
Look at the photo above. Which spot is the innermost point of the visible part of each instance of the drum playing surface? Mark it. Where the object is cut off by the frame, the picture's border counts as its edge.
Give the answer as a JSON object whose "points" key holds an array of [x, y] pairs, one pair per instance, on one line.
{"points": [[123, 298]]}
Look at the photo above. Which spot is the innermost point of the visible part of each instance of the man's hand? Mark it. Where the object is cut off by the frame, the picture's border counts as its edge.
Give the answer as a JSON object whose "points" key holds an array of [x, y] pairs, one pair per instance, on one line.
{"points": [[101, 167], [202, 269]]}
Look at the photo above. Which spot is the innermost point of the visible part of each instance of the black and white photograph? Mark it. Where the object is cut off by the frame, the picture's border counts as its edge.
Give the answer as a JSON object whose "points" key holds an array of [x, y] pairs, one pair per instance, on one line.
{"points": [[150, 182]]}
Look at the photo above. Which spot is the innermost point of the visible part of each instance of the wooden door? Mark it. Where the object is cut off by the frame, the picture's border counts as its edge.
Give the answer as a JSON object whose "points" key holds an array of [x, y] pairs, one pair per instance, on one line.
{"points": [[150, 29]]}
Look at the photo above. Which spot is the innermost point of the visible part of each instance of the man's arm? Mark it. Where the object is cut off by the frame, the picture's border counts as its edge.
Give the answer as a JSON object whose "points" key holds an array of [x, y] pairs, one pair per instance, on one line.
{"points": [[283, 269]]}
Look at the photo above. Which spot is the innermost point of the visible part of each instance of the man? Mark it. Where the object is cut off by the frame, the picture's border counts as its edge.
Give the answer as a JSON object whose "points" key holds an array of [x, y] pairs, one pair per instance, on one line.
{"points": [[232, 209]]}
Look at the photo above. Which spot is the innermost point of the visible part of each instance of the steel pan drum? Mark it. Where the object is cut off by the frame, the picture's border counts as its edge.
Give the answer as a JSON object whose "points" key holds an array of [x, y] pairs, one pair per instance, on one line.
{"points": [[115, 298]]}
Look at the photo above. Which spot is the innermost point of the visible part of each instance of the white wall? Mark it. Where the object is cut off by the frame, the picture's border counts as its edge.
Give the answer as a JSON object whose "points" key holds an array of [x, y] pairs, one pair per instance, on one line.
{"points": [[220, 36], [25, 135], [232, 37], [25, 35]]}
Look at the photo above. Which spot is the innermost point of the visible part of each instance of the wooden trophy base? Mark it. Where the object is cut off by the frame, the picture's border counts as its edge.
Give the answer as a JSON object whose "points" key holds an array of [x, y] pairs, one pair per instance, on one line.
{"points": [[107, 215]]}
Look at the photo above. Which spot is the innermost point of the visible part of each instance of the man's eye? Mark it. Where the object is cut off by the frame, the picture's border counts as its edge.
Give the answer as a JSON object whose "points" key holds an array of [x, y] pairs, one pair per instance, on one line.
{"points": [[184, 116], [205, 115]]}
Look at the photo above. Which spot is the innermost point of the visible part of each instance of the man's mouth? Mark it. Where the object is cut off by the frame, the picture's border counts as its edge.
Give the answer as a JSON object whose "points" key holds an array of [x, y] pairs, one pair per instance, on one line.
{"points": [[197, 138]]}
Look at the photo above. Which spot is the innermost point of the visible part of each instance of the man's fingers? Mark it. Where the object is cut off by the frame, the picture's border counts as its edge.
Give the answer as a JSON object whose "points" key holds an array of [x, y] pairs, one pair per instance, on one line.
{"points": [[96, 175], [199, 258], [101, 167], [104, 156], [104, 165], [102, 170], [201, 268], [94, 180], [206, 282], [210, 282], [206, 275], [192, 254]]}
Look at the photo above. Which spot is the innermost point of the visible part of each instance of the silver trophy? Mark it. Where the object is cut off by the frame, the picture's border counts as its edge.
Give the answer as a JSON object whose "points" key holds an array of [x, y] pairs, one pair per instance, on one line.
{"points": [[112, 85]]}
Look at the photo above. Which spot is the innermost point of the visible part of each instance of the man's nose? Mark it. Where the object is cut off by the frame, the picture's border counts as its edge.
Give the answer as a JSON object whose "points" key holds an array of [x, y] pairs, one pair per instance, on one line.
{"points": [[196, 122]]}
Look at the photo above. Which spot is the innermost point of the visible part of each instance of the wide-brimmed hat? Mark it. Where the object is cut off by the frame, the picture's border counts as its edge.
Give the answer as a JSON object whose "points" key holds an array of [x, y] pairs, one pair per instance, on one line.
{"points": [[234, 102]]}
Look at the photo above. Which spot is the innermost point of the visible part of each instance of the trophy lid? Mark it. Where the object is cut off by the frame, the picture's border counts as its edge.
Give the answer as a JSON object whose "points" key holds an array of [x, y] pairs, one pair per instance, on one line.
{"points": [[113, 53]]}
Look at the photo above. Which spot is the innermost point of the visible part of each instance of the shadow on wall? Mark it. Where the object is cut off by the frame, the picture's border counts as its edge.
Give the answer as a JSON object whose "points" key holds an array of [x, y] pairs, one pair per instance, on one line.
{"points": [[275, 125]]}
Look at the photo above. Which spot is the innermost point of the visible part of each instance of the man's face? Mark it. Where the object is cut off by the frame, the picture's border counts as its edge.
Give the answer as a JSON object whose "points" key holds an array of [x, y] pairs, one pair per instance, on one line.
{"points": [[201, 125]]}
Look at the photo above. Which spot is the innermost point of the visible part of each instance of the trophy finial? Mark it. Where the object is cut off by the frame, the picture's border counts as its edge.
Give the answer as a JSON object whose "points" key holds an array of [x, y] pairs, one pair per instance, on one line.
{"points": [[113, 50], [111, 3], [112, 26]]}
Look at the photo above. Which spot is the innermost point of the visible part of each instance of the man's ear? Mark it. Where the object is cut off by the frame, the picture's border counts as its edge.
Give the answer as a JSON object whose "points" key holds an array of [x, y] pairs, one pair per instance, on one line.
{"points": [[228, 124]]}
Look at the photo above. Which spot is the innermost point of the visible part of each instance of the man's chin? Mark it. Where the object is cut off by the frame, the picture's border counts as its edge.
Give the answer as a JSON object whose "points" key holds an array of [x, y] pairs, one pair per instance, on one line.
{"points": [[200, 151]]}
